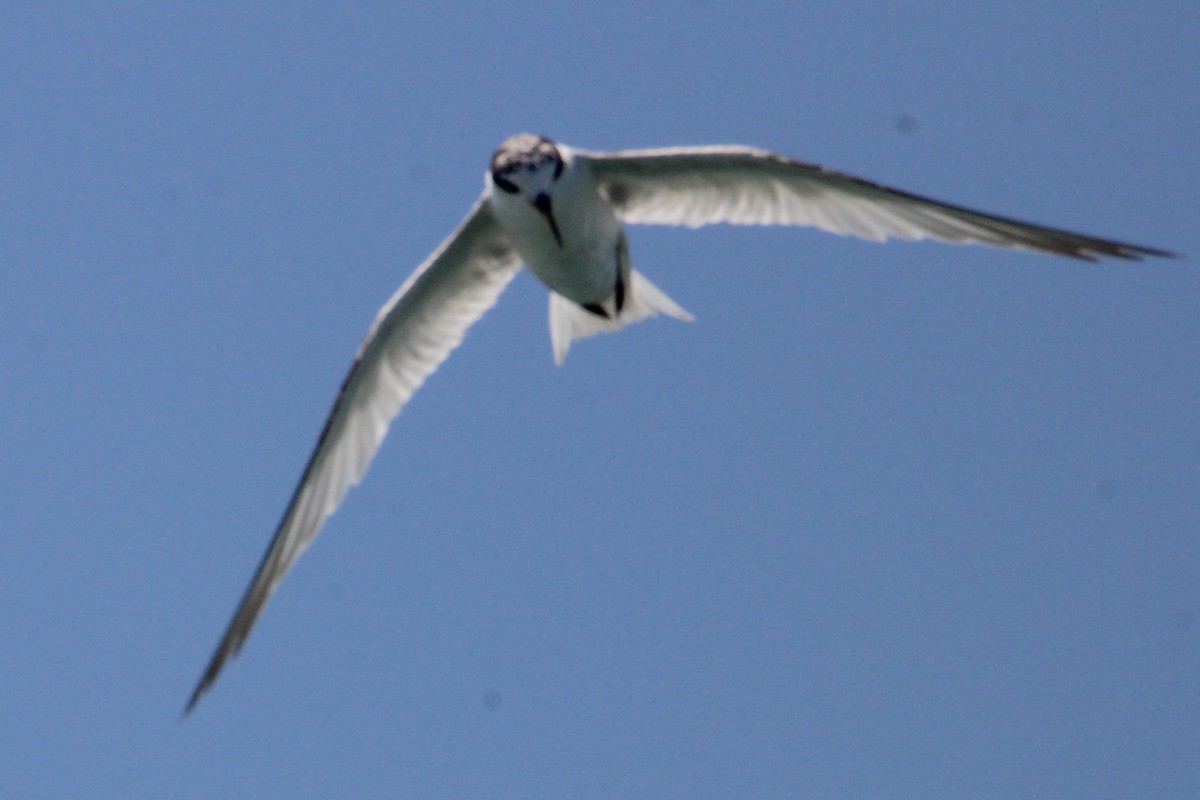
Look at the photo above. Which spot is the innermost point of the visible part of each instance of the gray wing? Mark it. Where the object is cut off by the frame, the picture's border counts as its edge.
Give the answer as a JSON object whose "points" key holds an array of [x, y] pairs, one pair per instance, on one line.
{"points": [[696, 186], [412, 334]]}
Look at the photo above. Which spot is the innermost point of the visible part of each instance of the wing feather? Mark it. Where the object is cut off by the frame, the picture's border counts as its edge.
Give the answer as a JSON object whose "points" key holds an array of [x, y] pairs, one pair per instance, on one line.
{"points": [[696, 186], [411, 335]]}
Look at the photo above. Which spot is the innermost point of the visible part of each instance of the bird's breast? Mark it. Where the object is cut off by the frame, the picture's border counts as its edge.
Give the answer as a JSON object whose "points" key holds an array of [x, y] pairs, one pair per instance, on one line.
{"points": [[583, 267]]}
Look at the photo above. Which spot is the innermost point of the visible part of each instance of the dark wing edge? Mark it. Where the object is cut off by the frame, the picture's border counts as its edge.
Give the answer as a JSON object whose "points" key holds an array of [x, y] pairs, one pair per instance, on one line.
{"points": [[742, 185], [411, 335]]}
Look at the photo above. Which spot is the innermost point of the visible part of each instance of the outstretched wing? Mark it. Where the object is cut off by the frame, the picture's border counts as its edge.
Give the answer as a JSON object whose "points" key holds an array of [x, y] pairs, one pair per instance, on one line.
{"points": [[412, 334], [696, 186]]}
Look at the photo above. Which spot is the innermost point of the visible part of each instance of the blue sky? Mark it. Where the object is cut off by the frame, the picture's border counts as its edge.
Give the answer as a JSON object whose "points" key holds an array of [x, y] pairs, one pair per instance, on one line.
{"points": [[885, 521]]}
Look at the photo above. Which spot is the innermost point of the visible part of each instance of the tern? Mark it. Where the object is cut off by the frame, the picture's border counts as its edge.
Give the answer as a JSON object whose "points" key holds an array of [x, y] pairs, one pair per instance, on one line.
{"points": [[559, 210]]}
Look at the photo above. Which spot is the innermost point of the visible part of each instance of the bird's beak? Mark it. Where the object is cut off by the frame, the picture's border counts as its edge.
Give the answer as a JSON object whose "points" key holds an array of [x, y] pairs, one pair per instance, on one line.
{"points": [[542, 204]]}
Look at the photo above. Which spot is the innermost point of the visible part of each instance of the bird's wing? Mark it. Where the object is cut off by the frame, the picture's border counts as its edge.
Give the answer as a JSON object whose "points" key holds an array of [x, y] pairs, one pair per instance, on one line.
{"points": [[412, 334], [696, 186]]}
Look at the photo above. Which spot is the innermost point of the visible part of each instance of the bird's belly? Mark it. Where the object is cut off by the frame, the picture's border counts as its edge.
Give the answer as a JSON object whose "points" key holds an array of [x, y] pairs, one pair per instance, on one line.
{"points": [[582, 269], [580, 275], [581, 262]]}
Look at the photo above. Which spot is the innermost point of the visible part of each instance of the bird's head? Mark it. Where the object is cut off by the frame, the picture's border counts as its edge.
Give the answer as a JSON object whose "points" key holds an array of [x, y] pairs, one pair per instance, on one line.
{"points": [[527, 165]]}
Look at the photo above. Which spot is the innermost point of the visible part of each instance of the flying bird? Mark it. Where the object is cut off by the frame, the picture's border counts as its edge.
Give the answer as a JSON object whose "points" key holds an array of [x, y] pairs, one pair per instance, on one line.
{"points": [[560, 210]]}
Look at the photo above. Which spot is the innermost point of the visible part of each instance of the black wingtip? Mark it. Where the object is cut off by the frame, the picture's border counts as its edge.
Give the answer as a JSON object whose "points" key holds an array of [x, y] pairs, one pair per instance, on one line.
{"points": [[197, 693], [1156, 253], [191, 703], [1136, 252], [1101, 249], [224, 652]]}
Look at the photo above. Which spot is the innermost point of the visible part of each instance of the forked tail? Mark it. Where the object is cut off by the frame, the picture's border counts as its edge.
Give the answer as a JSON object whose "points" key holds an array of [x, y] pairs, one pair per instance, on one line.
{"points": [[569, 321]]}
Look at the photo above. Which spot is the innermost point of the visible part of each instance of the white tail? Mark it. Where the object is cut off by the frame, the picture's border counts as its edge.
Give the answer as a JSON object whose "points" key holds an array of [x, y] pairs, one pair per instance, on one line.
{"points": [[569, 321]]}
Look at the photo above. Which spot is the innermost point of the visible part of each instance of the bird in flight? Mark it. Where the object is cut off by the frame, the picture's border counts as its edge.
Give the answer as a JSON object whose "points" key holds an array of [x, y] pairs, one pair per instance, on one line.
{"points": [[559, 210]]}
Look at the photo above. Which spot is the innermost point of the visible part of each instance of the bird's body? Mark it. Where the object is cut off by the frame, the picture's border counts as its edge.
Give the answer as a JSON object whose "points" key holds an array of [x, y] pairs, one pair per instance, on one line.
{"points": [[560, 211], [581, 264], [551, 209]]}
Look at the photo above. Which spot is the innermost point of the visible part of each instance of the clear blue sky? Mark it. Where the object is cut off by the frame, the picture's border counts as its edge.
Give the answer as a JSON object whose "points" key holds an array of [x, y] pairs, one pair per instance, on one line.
{"points": [[902, 521]]}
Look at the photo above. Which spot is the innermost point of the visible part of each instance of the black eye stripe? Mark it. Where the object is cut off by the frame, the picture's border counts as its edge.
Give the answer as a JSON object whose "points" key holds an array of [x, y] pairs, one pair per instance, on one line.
{"points": [[504, 183], [558, 166]]}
